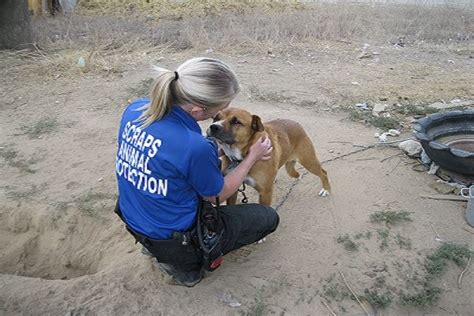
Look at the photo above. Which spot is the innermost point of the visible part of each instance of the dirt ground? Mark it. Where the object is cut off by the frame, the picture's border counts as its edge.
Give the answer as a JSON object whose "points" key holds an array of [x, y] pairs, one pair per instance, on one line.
{"points": [[63, 251]]}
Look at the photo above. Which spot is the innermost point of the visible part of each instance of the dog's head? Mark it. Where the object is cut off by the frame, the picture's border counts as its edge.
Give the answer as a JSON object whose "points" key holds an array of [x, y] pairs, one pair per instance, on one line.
{"points": [[235, 127]]}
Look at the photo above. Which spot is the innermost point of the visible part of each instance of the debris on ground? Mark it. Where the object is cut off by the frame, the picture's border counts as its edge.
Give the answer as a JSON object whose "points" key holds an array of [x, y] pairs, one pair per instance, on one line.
{"points": [[362, 106], [442, 188], [228, 299], [411, 147], [378, 109], [383, 137]]}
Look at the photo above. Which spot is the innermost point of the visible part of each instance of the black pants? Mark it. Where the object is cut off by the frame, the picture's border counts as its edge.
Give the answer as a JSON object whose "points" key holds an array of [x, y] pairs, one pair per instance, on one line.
{"points": [[247, 223], [244, 224]]}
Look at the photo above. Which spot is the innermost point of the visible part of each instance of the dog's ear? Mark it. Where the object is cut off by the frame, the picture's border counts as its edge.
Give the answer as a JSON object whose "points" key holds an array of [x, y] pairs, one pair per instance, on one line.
{"points": [[257, 124]]}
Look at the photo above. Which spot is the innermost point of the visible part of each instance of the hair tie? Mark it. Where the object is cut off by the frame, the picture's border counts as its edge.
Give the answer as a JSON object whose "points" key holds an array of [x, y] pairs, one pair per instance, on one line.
{"points": [[176, 76]]}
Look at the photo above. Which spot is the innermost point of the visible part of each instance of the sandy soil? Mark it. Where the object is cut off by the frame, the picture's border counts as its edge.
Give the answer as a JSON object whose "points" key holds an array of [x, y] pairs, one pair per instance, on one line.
{"points": [[63, 251]]}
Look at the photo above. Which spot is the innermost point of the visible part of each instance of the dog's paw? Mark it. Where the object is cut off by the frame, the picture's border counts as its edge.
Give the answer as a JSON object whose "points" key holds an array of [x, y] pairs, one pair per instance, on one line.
{"points": [[261, 240], [323, 193]]}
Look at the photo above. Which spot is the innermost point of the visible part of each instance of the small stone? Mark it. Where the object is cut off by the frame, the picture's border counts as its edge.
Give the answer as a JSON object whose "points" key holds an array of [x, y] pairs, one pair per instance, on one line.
{"points": [[411, 147], [378, 109], [393, 132]]}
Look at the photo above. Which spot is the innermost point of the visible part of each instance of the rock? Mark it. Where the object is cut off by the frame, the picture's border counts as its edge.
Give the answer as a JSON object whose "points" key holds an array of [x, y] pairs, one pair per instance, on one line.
{"points": [[411, 147], [378, 108], [81, 62], [442, 187], [393, 132]]}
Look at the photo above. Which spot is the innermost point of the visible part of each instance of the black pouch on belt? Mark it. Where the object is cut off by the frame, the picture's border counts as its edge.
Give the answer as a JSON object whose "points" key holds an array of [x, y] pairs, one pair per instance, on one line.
{"points": [[210, 232], [180, 249]]}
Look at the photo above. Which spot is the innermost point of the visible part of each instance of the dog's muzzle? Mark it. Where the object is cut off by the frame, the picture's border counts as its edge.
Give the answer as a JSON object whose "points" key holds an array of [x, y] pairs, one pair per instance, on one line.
{"points": [[215, 129], [218, 132]]}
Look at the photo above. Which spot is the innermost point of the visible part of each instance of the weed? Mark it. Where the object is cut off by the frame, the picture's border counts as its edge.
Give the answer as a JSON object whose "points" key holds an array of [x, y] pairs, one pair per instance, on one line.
{"points": [[359, 115], [12, 159], [259, 307], [415, 110], [437, 262], [45, 125], [347, 242], [378, 300], [380, 281], [333, 290], [426, 297], [403, 242], [383, 237], [384, 123], [435, 266], [366, 235], [390, 217]]}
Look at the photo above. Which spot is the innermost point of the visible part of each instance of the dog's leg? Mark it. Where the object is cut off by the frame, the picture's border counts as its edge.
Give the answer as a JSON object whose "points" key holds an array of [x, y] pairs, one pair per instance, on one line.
{"points": [[232, 200], [290, 169], [307, 157], [265, 197]]}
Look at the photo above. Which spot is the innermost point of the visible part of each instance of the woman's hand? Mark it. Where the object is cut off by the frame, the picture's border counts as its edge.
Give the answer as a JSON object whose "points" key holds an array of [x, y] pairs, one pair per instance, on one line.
{"points": [[261, 149]]}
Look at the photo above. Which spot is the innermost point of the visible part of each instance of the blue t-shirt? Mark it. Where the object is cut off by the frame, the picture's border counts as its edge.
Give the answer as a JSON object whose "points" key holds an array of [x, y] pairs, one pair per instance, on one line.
{"points": [[162, 170]]}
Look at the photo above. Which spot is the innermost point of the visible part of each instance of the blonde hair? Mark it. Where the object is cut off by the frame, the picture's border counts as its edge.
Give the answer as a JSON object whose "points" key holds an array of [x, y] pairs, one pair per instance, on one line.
{"points": [[200, 81]]}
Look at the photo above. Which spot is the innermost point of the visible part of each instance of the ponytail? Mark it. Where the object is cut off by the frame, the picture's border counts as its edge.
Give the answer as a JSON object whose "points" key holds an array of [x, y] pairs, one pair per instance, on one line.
{"points": [[201, 81], [161, 98]]}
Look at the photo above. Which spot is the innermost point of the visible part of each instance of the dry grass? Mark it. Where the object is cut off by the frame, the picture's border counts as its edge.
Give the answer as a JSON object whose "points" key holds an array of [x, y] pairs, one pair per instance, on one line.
{"points": [[263, 26], [178, 9], [109, 34]]}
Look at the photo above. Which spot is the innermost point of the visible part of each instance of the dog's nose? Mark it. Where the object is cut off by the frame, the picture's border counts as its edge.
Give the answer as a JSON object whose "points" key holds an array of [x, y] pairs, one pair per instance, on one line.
{"points": [[215, 128]]}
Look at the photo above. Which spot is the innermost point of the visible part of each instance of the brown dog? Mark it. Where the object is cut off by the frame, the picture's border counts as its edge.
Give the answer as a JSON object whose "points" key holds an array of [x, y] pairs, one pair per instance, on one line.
{"points": [[236, 130]]}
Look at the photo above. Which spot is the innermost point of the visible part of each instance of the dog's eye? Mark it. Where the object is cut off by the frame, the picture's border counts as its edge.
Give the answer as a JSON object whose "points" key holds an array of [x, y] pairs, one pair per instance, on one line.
{"points": [[234, 121], [216, 118]]}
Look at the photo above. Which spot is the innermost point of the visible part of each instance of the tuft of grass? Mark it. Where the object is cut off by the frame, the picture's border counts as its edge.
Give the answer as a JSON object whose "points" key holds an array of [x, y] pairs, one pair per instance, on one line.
{"points": [[428, 296], [437, 262], [366, 235], [44, 126], [435, 267], [13, 159], [383, 235], [390, 217], [384, 123], [334, 290], [259, 307], [347, 242], [416, 110], [378, 300], [403, 242]]}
